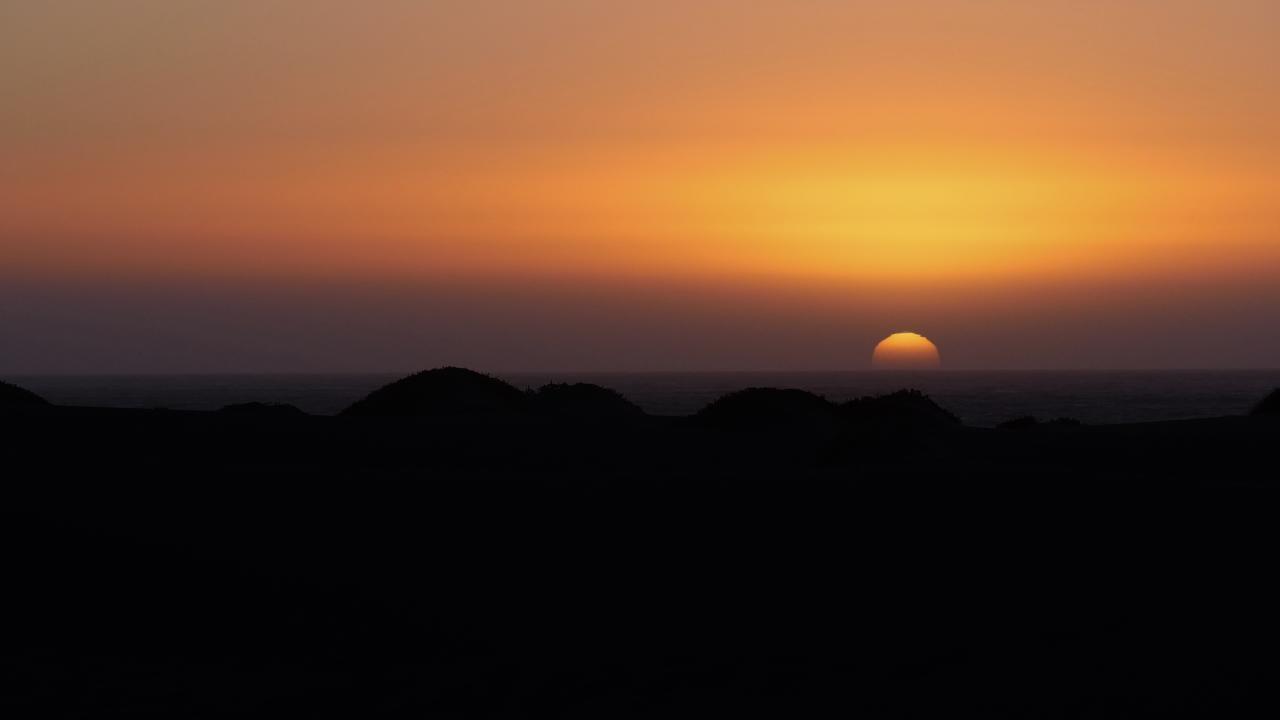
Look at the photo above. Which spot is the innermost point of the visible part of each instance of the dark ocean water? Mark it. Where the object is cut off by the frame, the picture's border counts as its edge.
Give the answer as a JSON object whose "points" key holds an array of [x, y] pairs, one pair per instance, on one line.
{"points": [[979, 397]]}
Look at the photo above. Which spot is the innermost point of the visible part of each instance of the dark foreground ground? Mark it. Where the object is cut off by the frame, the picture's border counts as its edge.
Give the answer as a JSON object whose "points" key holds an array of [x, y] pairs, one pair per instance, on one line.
{"points": [[212, 564]]}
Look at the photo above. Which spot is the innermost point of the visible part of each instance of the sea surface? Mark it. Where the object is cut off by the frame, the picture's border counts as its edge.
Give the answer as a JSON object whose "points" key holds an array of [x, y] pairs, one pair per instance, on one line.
{"points": [[981, 398]]}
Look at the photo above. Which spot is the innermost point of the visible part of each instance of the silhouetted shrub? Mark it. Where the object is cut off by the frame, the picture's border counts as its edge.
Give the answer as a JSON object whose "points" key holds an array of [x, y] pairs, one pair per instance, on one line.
{"points": [[1021, 423], [14, 396], [583, 401], [910, 409], [263, 410], [1270, 405], [758, 408], [443, 391]]}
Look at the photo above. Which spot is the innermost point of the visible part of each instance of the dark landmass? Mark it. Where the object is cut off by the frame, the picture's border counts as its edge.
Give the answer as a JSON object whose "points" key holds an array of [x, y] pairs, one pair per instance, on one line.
{"points": [[902, 411], [584, 401], [14, 396], [452, 546], [1270, 405], [443, 392], [770, 409]]}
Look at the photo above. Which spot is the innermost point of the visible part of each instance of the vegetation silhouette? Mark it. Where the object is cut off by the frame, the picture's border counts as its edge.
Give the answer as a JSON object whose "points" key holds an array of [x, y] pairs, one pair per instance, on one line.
{"points": [[440, 392]]}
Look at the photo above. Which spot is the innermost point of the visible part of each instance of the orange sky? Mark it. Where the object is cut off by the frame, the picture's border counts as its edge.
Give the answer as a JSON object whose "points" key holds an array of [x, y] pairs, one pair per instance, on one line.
{"points": [[915, 147]]}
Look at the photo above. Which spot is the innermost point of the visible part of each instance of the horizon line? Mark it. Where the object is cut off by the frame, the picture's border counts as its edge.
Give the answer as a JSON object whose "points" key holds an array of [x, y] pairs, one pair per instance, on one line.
{"points": [[867, 371]]}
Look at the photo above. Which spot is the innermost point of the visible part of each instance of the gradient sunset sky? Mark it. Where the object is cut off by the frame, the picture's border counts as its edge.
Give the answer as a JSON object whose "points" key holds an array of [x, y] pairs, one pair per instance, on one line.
{"points": [[228, 185]]}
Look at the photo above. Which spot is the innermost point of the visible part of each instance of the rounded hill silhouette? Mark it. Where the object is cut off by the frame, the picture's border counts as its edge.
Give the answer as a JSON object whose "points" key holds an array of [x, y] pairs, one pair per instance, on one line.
{"points": [[583, 401], [446, 391], [14, 396], [769, 408]]}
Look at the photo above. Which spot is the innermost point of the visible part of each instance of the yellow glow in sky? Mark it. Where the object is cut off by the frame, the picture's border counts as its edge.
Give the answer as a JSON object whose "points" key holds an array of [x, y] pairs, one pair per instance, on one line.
{"points": [[918, 142]]}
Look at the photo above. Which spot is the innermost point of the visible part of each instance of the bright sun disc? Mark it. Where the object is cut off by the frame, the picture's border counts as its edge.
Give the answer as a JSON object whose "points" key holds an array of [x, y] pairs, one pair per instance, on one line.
{"points": [[906, 351]]}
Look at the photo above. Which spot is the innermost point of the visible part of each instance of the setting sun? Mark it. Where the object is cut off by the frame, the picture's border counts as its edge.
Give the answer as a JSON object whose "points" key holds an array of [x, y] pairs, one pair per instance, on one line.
{"points": [[906, 351]]}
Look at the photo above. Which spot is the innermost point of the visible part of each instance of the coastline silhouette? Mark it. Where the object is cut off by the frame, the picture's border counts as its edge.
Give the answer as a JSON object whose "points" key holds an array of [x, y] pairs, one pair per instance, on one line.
{"points": [[454, 545], [14, 396]]}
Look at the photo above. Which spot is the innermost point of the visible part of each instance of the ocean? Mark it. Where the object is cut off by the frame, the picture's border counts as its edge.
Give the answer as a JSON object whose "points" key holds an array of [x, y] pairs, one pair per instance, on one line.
{"points": [[980, 398]]}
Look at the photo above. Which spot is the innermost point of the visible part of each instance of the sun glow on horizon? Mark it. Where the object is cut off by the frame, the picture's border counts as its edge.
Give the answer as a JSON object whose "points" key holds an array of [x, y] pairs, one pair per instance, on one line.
{"points": [[667, 184], [977, 143]]}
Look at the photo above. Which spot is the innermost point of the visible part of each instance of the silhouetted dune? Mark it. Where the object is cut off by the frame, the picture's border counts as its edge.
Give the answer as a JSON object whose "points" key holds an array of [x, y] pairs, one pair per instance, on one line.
{"points": [[14, 396], [1270, 405], [262, 410], [583, 401], [869, 557], [443, 391], [904, 409], [769, 408]]}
